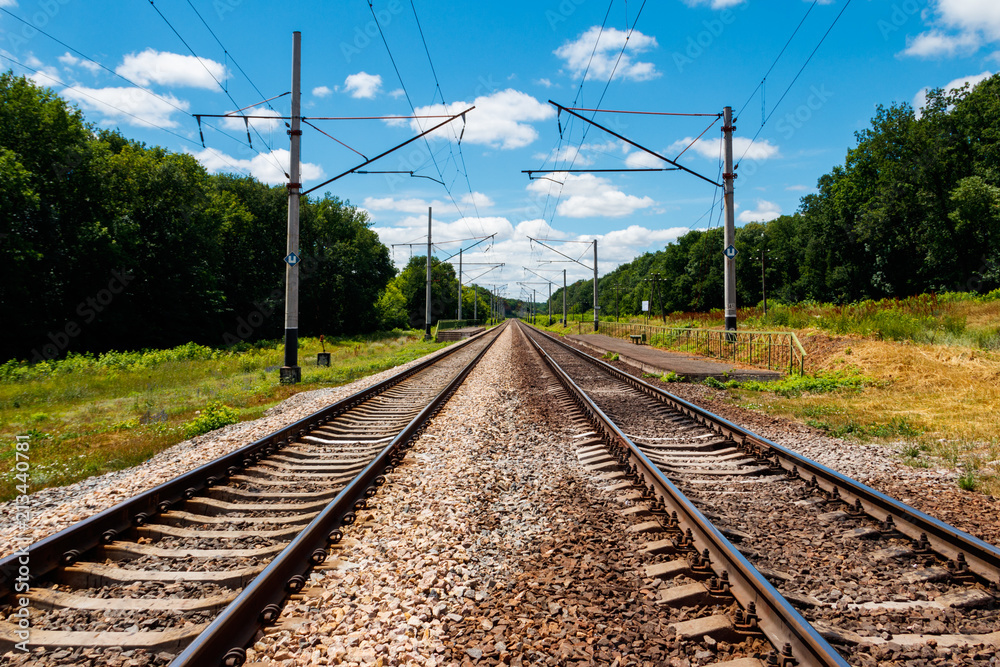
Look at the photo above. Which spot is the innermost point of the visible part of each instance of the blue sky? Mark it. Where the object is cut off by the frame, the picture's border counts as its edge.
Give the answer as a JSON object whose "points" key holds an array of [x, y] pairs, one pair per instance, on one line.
{"points": [[508, 59]]}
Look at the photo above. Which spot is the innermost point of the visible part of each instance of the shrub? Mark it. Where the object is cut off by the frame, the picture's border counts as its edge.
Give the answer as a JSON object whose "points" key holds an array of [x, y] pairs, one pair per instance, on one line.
{"points": [[214, 416], [715, 384]]}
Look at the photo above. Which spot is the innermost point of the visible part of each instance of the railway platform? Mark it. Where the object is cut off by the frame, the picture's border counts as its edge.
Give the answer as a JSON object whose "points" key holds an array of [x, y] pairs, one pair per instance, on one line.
{"points": [[654, 360]]}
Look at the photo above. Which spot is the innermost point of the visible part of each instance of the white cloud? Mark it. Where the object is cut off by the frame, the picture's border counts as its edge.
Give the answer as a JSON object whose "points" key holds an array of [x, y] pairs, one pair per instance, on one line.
{"points": [[115, 104], [8, 3], [577, 54], [500, 120], [920, 99], [957, 27], [236, 122], [322, 91], [45, 75], [722, 4], [711, 148], [568, 154], [262, 166], [643, 160], [416, 205], [172, 69], [478, 199], [798, 188], [396, 94], [69, 60], [544, 82], [934, 43], [363, 85], [587, 196], [765, 212]]}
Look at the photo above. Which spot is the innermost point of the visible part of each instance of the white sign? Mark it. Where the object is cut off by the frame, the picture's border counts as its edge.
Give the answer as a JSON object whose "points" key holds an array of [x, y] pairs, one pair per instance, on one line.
{"points": [[645, 306]]}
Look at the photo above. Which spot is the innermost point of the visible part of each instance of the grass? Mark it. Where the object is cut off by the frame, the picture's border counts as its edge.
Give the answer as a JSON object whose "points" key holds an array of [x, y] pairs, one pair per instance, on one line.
{"points": [[87, 414], [936, 403], [953, 318]]}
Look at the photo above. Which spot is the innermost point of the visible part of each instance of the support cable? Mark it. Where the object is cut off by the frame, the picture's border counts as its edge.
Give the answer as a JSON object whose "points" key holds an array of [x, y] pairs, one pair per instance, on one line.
{"points": [[797, 75]]}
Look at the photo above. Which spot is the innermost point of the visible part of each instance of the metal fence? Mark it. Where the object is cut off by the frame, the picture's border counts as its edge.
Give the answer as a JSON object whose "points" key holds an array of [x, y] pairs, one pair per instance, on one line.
{"points": [[774, 350]]}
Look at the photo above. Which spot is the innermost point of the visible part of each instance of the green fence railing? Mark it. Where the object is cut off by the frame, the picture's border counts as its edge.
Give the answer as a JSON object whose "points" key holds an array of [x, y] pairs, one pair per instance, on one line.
{"points": [[774, 350]]}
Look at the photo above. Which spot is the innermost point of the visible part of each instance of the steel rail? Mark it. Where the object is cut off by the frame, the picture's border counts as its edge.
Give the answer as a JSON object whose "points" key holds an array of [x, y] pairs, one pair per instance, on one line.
{"points": [[777, 618], [65, 546], [223, 641], [961, 548]]}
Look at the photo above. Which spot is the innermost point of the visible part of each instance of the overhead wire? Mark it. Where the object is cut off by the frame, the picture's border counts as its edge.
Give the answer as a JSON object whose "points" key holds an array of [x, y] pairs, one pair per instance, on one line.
{"points": [[607, 85], [437, 83], [166, 100], [413, 108], [270, 154], [781, 53], [796, 78]]}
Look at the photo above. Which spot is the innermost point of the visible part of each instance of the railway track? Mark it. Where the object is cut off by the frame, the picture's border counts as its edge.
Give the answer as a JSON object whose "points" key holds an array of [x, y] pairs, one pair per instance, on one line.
{"points": [[196, 566], [830, 570]]}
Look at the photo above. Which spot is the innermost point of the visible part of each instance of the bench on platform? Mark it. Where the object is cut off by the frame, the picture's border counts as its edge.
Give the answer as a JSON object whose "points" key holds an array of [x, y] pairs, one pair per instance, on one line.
{"points": [[638, 339]]}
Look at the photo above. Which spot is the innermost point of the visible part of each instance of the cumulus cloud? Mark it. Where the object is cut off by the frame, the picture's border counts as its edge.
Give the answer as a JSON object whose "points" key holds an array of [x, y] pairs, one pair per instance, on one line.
{"points": [[581, 52], [69, 60], [500, 120], [935, 43], [957, 27], [920, 99], [236, 122], [722, 4], [262, 166], [322, 91], [587, 196], [132, 106], [363, 85], [172, 69], [765, 212], [711, 148]]}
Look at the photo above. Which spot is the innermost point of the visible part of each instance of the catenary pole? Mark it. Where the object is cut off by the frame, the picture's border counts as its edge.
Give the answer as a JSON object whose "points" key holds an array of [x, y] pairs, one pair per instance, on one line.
{"points": [[565, 321], [459, 283], [427, 310], [291, 373], [730, 235], [595, 285]]}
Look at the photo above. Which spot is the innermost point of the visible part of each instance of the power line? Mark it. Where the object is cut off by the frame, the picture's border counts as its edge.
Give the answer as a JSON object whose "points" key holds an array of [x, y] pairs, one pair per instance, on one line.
{"points": [[409, 101], [797, 75], [228, 54], [437, 83], [163, 99], [201, 61], [768, 73]]}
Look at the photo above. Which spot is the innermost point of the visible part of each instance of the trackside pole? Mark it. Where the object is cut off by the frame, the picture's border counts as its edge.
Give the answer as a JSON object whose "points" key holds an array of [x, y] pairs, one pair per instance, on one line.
{"points": [[728, 177], [427, 311], [291, 373], [595, 285]]}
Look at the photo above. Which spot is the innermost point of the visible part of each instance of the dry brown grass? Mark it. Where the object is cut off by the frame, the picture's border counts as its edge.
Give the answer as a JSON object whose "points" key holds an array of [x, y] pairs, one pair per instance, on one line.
{"points": [[944, 401]]}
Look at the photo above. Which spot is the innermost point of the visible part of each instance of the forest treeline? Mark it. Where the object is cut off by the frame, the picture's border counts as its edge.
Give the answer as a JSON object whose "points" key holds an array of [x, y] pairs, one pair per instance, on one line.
{"points": [[915, 208], [106, 243]]}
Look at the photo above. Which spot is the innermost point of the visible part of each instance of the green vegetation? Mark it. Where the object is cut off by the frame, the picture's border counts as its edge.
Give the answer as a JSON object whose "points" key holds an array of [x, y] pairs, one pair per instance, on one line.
{"points": [[671, 376], [111, 244], [610, 356], [215, 415], [796, 385], [89, 414]]}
